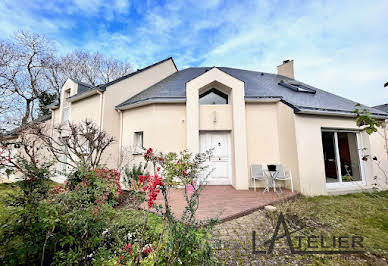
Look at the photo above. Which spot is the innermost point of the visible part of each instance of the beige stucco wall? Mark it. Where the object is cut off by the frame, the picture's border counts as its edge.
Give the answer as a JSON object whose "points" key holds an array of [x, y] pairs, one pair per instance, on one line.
{"points": [[310, 155], [123, 90], [215, 117], [378, 148], [88, 108], [287, 143], [163, 126], [262, 133], [101, 107], [271, 137]]}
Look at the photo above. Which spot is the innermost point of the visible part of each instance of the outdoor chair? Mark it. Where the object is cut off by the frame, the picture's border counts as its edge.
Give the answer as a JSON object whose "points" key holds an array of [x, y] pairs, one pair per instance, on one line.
{"points": [[282, 175], [258, 174]]}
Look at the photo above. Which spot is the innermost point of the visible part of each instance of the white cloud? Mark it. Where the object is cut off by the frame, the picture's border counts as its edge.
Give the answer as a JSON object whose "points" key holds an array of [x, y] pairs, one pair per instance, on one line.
{"points": [[339, 46]]}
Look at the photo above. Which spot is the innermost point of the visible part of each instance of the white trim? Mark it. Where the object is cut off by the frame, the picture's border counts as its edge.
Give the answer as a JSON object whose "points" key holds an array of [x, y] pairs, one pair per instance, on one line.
{"points": [[120, 136], [337, 158], [340, 183], [83, 95], [360, 156], [338, 113]]}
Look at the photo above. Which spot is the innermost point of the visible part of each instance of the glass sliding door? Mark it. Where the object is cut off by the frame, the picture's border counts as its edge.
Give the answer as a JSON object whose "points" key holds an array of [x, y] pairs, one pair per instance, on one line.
{"points": [[329, 155], [349, 156], [341, 156]]}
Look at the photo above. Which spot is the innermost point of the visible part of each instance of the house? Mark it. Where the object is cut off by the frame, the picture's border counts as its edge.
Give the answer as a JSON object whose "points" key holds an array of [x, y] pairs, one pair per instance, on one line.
{"points": [[11, 138], [248, 117]]}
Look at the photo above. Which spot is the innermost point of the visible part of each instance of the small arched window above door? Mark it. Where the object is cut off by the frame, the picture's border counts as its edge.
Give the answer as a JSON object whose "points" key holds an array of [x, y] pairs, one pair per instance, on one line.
{"points": [[213, 96]]}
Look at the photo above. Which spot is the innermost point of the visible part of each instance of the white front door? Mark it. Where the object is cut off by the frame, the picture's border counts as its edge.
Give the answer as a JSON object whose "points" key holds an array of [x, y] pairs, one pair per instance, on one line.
{"points": [[220, 161]]}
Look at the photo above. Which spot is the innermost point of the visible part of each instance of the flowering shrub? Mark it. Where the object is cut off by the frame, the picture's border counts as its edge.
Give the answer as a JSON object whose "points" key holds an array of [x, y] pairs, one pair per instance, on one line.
{"points": [[182, 242], [152, 184]]}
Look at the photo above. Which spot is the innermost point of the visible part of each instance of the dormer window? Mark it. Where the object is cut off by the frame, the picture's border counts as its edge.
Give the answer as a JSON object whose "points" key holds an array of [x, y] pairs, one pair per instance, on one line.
{"points": [[213, 96], [296, 87]]}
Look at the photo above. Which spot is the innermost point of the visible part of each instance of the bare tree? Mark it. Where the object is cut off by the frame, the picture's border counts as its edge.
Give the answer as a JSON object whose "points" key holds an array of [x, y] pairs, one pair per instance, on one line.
{"points": [[22, 73], [93, 68], [76, 145], [31, 73]]}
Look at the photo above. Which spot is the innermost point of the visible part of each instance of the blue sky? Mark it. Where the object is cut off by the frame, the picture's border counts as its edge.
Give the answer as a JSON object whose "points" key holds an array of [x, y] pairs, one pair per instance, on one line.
{"points": [[339, 46]]}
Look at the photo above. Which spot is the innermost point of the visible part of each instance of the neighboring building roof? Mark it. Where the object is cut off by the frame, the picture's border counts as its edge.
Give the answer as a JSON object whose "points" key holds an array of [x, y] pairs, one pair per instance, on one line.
{"points": [[382, 107], [14, 132], [258, 85]]}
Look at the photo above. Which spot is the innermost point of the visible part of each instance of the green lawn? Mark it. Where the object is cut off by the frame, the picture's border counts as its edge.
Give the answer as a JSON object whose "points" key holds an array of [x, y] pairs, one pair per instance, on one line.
{"points": [[364, 214]]}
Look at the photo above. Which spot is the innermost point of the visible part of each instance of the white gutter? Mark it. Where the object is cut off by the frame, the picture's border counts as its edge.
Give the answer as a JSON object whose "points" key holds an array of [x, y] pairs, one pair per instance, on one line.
{"points": [[335, 113], [152, 101], [101, 112]]}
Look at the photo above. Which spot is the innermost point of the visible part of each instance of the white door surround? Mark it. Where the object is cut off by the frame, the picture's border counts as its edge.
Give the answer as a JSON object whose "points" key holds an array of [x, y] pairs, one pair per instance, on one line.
{"points": [[218, 78], [220, 163]]}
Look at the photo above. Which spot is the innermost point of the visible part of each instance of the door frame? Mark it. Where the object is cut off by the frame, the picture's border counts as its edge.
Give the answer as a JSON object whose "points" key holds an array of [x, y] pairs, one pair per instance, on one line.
{"points": [[228, 133], [359, 143]]}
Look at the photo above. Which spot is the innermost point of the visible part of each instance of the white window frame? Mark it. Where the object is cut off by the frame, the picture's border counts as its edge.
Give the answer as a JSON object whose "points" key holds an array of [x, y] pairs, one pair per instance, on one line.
{"points": [[138, 141], [340, 183]]}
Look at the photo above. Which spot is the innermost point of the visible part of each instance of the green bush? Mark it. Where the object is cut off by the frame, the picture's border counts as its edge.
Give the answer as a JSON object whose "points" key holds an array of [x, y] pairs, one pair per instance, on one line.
{"points": [[67, 226]]}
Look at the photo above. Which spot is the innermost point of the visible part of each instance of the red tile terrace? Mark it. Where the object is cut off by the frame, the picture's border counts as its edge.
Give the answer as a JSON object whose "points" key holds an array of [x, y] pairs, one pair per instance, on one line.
{"points": [[225, 202]]}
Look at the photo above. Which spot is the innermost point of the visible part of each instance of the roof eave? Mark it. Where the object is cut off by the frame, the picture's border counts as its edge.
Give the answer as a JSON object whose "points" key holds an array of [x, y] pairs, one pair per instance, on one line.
{"points": [[84, 95], [336, 113], [151, 101]]}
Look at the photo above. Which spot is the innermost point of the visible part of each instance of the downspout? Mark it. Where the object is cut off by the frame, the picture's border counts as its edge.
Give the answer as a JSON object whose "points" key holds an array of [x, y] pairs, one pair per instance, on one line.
{"points": [[101, 113], [385, 138], [120, 136]]}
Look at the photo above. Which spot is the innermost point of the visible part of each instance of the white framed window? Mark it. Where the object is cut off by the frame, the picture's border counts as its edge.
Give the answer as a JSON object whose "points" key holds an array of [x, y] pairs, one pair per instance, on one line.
{"points": [[138, 141], [342, 152]]}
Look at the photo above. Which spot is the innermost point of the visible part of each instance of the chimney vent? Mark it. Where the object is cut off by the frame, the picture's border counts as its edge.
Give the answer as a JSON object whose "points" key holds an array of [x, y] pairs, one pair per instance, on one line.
{"points": [[287, 68]]}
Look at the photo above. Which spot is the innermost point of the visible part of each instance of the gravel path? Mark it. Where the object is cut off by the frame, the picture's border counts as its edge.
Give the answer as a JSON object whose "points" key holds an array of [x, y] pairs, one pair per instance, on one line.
{"points": [[233, 242]]}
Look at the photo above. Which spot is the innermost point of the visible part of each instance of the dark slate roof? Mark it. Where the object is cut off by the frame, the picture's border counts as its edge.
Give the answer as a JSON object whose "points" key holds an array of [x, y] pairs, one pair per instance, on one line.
{"points": [[83, 88], [257, 85], [382, 107]]}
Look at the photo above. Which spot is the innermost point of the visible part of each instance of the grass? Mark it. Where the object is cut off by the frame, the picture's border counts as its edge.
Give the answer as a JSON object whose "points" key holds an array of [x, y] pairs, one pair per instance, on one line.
{"points": [[364, 214]]}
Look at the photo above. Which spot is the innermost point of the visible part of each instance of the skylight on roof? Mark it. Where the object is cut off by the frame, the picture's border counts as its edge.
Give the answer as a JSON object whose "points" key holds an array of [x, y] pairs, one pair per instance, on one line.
{"points": [[296, 87]]}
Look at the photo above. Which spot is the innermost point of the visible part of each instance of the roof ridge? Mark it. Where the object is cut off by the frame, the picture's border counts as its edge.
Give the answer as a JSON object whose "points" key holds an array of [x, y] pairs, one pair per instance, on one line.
{"points": [[82, 83], [136, 72]]}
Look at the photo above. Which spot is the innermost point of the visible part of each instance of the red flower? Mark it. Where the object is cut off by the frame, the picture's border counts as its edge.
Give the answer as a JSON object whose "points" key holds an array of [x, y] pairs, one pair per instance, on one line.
{"points": [[147, 250], [128, 248]]}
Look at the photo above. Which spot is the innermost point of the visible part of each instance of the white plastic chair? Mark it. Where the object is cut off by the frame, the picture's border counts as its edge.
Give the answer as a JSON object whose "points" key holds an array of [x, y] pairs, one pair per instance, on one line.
{"points": [[282, 175], [258, 174]]}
